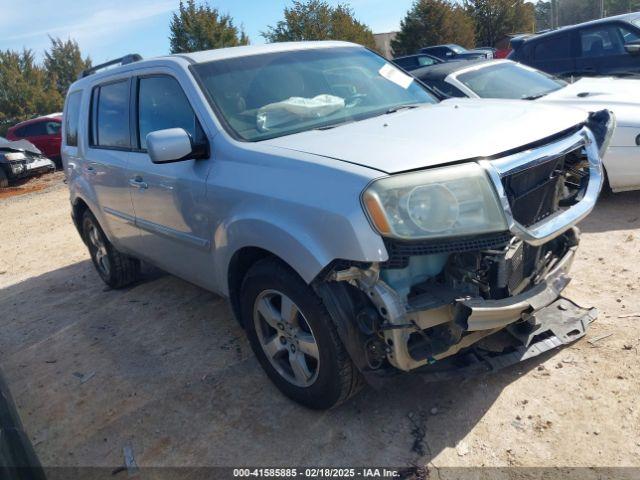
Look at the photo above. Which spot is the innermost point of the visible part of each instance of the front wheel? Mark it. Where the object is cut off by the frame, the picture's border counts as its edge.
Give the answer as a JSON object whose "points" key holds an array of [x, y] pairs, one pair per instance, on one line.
{"points": [[115, 268], [294, 337], [4, 181]]}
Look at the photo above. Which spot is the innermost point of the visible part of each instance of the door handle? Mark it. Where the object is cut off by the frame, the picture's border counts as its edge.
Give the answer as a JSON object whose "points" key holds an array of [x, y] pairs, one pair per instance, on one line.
{"points": [[137, 182], [91, 169]]}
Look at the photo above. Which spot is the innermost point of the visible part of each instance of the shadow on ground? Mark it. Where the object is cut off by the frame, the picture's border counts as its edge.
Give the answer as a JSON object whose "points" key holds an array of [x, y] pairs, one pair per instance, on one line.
{"points": [[614, 211], [164, 367]]}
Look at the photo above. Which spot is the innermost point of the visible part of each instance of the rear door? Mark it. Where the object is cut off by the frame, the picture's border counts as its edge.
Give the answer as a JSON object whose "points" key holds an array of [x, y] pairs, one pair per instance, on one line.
{"points": [[553, 54], [602, 50], [107, 159], [169, 198], [51, 140]]}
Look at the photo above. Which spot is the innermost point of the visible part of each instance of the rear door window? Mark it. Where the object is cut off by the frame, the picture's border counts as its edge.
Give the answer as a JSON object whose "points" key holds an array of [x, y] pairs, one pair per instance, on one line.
{"points": [[71, 116], [110, 111], [34, 130]]}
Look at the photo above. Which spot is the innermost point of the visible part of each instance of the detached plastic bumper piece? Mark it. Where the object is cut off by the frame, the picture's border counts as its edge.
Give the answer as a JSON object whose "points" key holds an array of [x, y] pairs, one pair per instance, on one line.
{"points": [[560, 323]]}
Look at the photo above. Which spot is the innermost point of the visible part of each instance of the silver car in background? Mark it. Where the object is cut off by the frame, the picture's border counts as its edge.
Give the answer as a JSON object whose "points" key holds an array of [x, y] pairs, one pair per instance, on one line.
{"points": [[358, 226], [509, 80]]}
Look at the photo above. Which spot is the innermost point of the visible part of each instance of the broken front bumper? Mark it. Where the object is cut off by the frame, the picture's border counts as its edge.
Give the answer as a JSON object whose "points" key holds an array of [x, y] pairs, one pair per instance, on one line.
{"points": [[559, 323], [531, 313]]}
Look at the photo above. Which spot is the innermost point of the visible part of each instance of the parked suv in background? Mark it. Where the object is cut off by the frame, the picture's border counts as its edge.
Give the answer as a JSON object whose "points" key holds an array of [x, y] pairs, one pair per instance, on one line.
{"points": [[43, 132], [329, 196], [609, 46], [452, 51]]}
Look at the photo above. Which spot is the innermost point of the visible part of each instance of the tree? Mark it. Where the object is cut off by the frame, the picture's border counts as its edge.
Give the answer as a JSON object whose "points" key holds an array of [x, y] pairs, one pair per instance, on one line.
{"points": [[543, 15], [495, 18], [550, 14], [317, 20], [26, 89], [201, 27], [64, 62], [433, 22]]}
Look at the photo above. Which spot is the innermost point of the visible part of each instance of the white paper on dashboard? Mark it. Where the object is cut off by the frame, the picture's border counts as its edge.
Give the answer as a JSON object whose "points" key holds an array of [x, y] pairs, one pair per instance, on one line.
{"points": [[395, 75]]}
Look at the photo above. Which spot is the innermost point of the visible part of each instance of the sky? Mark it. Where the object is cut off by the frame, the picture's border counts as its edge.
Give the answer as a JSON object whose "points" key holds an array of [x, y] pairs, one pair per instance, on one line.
{"points": [[107, 29]]}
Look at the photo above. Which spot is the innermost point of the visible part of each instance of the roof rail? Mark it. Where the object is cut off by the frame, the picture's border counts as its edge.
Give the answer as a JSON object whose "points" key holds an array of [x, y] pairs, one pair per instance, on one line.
{"points": [[132, 57]]}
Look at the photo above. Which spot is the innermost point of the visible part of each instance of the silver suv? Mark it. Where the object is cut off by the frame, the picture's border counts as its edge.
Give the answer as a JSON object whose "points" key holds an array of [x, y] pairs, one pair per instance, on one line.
{"points": [[359, 225]]}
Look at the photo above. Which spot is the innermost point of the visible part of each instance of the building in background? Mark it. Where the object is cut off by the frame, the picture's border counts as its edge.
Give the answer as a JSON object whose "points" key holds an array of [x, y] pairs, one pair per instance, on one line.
{"points": [[383, 43]]}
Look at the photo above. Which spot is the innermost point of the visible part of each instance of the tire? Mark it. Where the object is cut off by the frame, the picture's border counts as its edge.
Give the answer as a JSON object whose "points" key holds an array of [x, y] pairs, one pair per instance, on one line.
{"points": [[294, 341], [116, 269], [4, 181]]}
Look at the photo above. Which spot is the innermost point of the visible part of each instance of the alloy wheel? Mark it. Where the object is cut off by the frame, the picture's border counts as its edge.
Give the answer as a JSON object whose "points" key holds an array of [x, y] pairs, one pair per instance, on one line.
{"points": [[286, 338], [100, 250]]}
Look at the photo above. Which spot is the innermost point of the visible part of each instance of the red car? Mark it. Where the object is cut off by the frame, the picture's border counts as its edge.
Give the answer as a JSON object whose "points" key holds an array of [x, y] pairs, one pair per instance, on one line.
{"points": [[43, 132]]}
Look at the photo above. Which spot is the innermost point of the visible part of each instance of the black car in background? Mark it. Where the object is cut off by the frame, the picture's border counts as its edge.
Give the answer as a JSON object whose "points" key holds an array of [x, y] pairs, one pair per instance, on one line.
{"points": [[419, 60], [451, 51], [609, 46]]}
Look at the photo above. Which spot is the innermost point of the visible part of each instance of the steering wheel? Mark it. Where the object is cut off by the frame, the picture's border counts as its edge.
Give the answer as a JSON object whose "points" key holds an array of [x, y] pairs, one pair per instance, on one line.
{"points": [[354, 100]]}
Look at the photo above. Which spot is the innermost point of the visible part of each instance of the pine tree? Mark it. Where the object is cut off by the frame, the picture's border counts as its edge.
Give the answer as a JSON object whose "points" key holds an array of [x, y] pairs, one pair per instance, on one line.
{"points": [[433, 22], [201, 27], [317, 20], [64, 62], [496, 18], [26, 89]]}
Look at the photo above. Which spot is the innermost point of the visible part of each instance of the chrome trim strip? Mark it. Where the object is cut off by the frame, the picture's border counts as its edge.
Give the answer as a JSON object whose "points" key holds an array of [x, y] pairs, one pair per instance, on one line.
{"points": [[161, 230], [164, 231], [130, 219], [561, 221]]}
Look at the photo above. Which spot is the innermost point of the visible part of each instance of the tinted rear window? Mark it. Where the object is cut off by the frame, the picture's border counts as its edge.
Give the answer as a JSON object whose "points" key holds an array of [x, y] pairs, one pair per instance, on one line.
{"points": [[552, 48], [112, 115], [71, 116]]}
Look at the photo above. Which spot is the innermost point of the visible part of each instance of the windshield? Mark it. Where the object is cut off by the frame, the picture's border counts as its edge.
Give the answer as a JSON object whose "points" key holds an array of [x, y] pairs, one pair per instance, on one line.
{"points": [[276, 94], [457, 48], [510, 80]]}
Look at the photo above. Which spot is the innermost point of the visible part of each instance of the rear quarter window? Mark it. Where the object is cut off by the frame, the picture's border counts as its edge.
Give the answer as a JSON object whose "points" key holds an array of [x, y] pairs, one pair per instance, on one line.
{"points": [[552, 48], [71, 117]]}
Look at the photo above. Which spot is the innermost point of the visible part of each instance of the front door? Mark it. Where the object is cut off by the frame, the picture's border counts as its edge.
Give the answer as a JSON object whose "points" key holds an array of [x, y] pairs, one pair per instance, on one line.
{"points": [[169, 198], [602, 50]]}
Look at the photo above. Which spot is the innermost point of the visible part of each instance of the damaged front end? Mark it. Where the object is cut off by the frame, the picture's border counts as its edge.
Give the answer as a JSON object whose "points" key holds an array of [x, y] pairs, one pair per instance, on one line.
{"points": [[473, 303]]}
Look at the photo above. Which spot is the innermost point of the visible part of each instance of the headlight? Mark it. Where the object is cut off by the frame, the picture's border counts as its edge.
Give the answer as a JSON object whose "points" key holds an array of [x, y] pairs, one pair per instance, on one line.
{"points": [[442, 202], [602, 124], [17, 168], [13, 156]]}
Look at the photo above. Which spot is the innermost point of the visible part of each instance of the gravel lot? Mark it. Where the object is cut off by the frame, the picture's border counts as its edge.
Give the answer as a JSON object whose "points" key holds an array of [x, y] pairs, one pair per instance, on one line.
{"points": [[163, 367]]}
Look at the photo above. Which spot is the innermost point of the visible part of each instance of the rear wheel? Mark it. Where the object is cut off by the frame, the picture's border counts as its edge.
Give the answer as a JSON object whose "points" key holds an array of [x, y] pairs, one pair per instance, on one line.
{"points": [[294, 338], [115, 268]]}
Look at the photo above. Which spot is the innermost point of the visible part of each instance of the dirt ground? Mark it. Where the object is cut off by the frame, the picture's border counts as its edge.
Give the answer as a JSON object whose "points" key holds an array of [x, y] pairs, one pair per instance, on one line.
{"points": [[163, 367]]}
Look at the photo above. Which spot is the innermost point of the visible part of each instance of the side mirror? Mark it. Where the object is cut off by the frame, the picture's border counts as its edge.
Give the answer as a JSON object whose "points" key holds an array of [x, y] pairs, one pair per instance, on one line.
{"points": [[174, 145], [632, 48]]}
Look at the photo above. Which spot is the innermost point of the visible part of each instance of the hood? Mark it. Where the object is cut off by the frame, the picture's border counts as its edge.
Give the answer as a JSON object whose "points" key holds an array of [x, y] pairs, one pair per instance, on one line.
{"points": [[621, 95], [453, 130], [19, 146]]}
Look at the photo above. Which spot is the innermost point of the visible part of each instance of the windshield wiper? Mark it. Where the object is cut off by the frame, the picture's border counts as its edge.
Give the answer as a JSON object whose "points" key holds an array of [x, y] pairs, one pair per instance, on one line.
{"points": [[333, 125], [534, 97], [406, 106]]}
